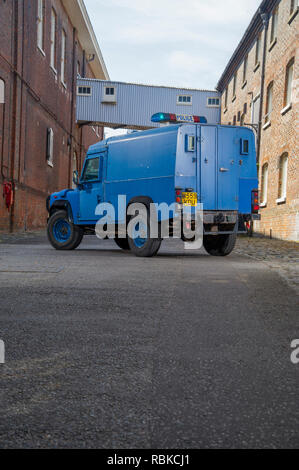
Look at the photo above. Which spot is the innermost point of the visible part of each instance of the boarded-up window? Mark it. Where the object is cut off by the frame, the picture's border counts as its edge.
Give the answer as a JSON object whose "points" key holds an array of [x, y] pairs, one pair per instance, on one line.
{"points": [[289, 82]]}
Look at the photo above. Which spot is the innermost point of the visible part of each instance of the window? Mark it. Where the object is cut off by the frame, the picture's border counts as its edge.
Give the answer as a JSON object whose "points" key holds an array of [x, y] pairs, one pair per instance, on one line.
{"points": [[239, 116], [289, 83], [63, 57], [109, 94], [234, 85], [283, 178], [184, 100], [53, 40], [269, 102], [84, 91], [294, 6], [225, 97], [234, 120], [190, 143], [264, 185], [74, 168], [213, 102], [40, 24], [245, 69], [79, 68], [91, 170], [244, 146], [50, 147], [258, 49], [2, 91], [274, 24]]}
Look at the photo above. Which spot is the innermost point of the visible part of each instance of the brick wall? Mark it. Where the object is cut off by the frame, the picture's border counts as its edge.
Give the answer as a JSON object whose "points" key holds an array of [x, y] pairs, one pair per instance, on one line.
{"points": [[282, 135], [36, 100]]}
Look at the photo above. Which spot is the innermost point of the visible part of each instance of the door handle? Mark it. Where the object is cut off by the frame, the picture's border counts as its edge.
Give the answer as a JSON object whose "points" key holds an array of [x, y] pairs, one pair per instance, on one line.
{"points": [[224, 170]]}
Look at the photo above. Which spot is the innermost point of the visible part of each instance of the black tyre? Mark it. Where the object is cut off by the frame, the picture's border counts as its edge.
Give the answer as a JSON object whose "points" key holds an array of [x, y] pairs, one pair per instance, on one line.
{"points": [[219, 245], [122, 243], [62, 234], [144, 247]]}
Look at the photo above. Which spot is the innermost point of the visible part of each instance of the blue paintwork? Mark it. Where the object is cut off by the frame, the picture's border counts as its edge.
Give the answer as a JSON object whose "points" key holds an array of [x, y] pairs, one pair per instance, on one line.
{"points": [[155, 162]]}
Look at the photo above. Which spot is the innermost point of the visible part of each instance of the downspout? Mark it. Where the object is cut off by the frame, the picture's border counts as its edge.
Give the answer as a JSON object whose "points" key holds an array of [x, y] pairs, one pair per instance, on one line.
{"points": [[265, 19], [72, 109], [14, 111]]}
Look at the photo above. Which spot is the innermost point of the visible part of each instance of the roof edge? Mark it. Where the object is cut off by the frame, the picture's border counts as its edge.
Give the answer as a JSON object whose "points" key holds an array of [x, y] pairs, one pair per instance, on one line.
{"points": [[80, 19], [255, 26]]}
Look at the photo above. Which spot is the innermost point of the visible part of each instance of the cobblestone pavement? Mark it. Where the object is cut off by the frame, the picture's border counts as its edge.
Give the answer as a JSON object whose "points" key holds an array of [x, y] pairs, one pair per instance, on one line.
{"points": [[278, 255]]}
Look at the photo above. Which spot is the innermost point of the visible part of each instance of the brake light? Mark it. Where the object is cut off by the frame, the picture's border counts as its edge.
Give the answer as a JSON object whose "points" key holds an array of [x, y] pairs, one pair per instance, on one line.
{"points": [[178, 194], [255, 201]]}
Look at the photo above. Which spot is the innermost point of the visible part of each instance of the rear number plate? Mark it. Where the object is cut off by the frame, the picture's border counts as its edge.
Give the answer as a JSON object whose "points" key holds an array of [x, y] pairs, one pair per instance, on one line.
{"points": [[189, 199]]}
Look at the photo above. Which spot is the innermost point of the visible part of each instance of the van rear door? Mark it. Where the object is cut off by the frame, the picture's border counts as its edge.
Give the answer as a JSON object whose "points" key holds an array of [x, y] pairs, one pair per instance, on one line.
{"points": [[228, 168]]}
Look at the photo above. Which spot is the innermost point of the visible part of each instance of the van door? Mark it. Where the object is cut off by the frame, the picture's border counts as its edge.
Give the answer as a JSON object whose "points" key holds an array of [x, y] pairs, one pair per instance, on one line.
{"points": [[91, 193], [228, 169], [207, 171]]}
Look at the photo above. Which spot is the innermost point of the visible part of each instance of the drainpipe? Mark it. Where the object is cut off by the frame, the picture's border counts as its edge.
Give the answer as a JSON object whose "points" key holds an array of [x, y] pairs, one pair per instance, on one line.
{"points": [[265, 19], [14, 110]]}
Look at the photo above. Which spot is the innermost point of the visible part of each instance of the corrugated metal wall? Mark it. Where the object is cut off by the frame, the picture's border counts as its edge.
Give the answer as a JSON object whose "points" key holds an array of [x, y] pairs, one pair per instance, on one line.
{"points": [[137, 103]]}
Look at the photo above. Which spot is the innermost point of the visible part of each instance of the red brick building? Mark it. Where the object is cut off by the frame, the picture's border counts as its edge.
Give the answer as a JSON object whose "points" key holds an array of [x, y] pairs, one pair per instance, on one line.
{"points": [[260, 88], [44, 45]]}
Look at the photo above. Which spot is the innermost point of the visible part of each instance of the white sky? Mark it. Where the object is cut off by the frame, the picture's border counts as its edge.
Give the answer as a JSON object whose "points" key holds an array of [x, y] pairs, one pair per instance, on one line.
{"points": [[184, 43]]}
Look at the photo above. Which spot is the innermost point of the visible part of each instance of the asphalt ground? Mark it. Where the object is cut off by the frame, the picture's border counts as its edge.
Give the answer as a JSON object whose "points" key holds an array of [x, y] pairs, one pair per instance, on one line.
{"points": [[106, 350]]}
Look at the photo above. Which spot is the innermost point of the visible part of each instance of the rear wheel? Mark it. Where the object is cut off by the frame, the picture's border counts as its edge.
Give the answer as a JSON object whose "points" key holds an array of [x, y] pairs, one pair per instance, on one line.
{"points": [[219, 245], [63, 234], [139, 240]]}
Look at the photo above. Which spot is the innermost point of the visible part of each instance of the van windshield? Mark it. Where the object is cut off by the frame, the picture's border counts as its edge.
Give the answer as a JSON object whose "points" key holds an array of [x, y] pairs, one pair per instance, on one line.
{"points": [[91, 170]]}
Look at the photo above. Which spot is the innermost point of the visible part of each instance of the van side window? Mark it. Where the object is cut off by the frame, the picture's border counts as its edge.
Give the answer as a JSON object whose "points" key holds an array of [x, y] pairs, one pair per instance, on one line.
{"points": [[244, 146], [190, 143], [91, 170]]}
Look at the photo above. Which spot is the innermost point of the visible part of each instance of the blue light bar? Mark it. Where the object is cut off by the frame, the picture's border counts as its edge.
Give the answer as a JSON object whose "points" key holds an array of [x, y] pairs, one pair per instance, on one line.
{"points": [[176, 118]]}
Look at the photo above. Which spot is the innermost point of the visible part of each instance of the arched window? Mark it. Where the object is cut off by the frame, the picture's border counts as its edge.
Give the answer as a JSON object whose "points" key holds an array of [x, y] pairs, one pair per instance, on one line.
{"points": [[283, 178], [264, 184], [2, 91], [269, 102]]}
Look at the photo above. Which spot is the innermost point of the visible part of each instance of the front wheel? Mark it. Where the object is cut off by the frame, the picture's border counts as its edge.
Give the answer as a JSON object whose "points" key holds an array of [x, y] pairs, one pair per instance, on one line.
{"points": [[62, 234], [219, 245]]}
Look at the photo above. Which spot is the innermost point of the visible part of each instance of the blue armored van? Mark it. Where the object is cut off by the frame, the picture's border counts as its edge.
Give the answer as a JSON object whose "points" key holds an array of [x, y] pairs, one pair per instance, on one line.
{"points": [[184, 164]]}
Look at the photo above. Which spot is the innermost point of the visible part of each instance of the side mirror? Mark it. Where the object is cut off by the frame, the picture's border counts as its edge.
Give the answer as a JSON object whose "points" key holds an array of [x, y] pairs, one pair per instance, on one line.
{"points": [[76, 178]]}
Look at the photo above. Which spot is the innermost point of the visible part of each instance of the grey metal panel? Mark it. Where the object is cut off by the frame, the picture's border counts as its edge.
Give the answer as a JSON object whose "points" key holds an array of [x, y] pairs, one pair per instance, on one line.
{"points": [[137, 103]]}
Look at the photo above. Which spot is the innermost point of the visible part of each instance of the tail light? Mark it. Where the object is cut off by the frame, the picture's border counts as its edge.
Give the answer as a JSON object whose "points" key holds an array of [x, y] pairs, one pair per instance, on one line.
{"points": [[178, 195], [255, 205]]}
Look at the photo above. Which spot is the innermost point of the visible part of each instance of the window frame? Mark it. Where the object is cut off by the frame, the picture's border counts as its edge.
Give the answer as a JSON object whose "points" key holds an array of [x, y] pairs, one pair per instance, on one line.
{"points": [[264, 184], [184, 103], [2, 91], [50, 147], [84, 94], [268, 113], [63, 58], [245, 69], [41, 19], [213, 105], [53, 41], [99, 178], [258, 49], [288, 86], [235, 78], [283, 178], [274, 26]]}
